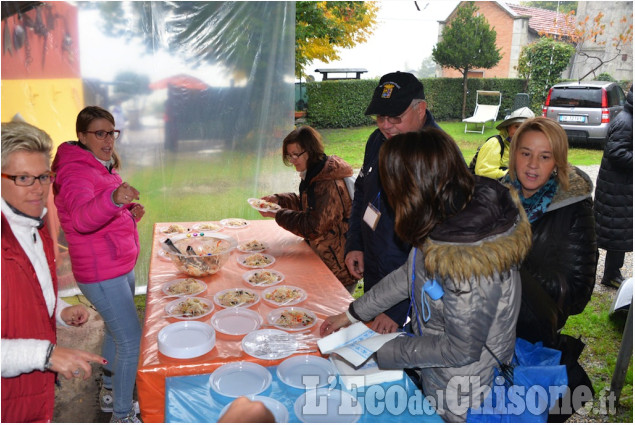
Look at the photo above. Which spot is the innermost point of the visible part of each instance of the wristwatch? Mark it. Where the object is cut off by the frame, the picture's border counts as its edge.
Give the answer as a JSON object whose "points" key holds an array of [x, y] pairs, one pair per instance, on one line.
{"points": [[47, 361]]}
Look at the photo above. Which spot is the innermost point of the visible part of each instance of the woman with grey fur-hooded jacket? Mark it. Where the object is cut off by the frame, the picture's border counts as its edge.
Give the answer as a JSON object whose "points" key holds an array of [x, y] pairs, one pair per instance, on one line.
{"points": [[473, 253]]}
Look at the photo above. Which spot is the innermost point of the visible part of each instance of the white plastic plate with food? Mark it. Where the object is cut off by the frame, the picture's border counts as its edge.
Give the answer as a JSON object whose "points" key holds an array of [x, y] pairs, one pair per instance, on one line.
{"points": [[284, 295], [263, 278], [306, 372], [292, 318], [236, 297], [335, 406], [279, 411], [236, 321], [256, 261], [252, 246], [269, 344], [240, 379], [262, 205], [207, 227], [186, 340], [234, 223], [184, 287], [189, 308], [173, 228]]}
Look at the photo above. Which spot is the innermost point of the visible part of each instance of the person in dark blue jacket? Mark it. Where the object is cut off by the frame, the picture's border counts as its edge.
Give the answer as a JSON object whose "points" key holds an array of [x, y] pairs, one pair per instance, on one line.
{"points": [[373, 250]]}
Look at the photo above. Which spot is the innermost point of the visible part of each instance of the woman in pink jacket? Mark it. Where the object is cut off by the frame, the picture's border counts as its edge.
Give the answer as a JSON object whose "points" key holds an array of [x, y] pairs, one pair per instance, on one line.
{"points": [[99, 217]]}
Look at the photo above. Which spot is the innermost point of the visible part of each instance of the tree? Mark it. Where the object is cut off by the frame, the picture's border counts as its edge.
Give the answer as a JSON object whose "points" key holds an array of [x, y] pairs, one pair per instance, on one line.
{"points": [[468, 42], [592, 30], [321, 28], [129, 85], [541, 64], [556, 6], [428, 68]]}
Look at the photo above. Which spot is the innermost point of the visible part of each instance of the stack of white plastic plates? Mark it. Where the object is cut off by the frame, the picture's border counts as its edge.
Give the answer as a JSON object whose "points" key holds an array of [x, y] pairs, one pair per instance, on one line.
{"points": [[186, 340], [240, 378]]}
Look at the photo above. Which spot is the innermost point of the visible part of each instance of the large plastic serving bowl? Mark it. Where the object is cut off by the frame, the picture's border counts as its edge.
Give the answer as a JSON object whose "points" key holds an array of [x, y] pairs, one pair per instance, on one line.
{"points": [[211, 252]]}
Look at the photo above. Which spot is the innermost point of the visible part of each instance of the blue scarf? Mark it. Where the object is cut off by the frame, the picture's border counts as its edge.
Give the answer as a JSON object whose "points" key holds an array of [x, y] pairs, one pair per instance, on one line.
{"points": [[536, 205]]}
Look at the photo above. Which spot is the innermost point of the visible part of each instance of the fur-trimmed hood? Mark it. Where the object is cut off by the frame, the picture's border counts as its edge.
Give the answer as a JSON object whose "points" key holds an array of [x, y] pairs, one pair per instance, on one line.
{"points": [[580, 187], [491, 235]]}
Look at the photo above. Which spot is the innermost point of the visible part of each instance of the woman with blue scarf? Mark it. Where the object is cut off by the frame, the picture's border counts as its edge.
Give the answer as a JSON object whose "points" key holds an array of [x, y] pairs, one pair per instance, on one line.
{"points": [[558, 275], [557, 199]]}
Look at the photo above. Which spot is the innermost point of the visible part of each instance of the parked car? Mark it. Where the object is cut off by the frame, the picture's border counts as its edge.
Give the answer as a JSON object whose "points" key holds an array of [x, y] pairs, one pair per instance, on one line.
{"points": [[584, 109]]}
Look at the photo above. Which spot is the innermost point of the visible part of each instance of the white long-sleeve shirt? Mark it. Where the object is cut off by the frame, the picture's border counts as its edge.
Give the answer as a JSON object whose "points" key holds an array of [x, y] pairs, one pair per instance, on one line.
{"points": [[26, 355]]}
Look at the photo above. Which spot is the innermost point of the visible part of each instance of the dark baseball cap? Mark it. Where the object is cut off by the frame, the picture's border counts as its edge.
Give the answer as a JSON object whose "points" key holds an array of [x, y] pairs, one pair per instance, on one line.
{"points": [[394, 94]]}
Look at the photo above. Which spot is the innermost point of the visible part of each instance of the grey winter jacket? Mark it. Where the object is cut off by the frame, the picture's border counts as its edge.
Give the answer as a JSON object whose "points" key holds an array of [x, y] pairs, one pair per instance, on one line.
{"points": [[475, 256]]}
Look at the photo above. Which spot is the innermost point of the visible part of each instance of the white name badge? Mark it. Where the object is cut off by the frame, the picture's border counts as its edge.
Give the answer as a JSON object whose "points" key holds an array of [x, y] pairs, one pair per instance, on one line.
{"points": [[371, 216]]}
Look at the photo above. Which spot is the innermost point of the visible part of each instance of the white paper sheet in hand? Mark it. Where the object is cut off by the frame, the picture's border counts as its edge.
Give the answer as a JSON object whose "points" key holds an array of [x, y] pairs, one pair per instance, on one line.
{"points": [[355, 343]]}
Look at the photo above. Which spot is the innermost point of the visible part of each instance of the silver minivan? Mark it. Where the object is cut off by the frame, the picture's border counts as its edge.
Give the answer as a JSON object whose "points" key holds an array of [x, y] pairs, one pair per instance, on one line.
{"points": [[584, 109]]}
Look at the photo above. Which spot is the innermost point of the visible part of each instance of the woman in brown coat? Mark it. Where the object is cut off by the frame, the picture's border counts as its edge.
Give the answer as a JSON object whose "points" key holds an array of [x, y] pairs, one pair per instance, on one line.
{"points": [[319, 213]]}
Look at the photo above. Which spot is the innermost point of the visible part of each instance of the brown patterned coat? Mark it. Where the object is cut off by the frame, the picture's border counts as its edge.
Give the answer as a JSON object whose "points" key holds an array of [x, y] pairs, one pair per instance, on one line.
{"points": [[320, 214]]}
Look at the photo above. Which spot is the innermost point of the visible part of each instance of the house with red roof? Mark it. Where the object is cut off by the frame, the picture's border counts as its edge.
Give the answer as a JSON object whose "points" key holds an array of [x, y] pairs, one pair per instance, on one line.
{"points": [[517, 26]]}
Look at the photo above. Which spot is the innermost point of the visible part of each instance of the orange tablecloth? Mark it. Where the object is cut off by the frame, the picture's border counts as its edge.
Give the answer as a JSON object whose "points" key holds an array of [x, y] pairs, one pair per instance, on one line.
{"points": [[294, 258]]}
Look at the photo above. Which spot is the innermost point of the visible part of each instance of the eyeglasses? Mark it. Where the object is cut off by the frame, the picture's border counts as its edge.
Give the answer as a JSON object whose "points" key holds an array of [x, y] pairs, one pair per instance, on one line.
{"points": [[101, 134], [393, 120], [294, 156], [46, 178]]}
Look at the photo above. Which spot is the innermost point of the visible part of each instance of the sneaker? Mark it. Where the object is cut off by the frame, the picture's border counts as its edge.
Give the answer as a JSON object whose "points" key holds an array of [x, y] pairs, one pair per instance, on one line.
{"points": [[106, 401], [130, 419]]}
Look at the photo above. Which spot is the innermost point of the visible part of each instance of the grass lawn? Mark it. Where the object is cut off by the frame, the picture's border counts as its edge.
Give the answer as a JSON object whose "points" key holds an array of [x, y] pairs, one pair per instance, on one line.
{"points": [[349, 143], [602, 335]]}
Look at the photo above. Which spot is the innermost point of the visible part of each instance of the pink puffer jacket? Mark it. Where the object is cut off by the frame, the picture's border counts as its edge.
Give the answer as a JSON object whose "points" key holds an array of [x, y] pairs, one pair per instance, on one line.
{"points": [[103, 242]]}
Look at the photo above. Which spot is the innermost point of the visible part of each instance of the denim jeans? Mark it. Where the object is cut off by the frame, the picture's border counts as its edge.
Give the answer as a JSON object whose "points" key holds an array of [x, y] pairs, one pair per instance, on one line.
{"points": [[114, 300]]}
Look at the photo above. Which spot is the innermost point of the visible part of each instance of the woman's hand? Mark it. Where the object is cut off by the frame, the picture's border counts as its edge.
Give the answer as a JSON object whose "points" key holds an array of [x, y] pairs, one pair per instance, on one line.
{"points": [[268, 213], [334, 323], [384, 324], [75, 315], [137, 212], [125, 194], [70, 363], [270, 198]]}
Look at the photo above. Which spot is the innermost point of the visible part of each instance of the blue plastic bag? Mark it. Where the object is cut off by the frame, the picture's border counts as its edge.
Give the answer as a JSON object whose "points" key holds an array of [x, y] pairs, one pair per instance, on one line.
{"points": [[539, 381]]}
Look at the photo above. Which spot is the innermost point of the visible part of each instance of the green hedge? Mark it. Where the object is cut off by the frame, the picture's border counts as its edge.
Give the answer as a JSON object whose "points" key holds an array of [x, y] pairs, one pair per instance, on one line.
{"points": [[341, 103]]}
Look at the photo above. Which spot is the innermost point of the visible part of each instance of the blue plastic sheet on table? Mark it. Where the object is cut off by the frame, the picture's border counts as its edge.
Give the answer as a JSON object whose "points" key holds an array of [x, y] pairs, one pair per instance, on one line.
{"points": [[189, 399], [539, 381]]}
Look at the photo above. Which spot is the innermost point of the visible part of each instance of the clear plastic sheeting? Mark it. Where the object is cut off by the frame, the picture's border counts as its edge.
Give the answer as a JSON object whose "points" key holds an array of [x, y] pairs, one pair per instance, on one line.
{"points": [[203, 93]]}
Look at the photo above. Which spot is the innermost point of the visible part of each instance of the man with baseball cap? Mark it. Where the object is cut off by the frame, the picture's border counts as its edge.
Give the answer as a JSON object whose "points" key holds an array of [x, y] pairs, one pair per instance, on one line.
{"points": [[373, 249]]}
